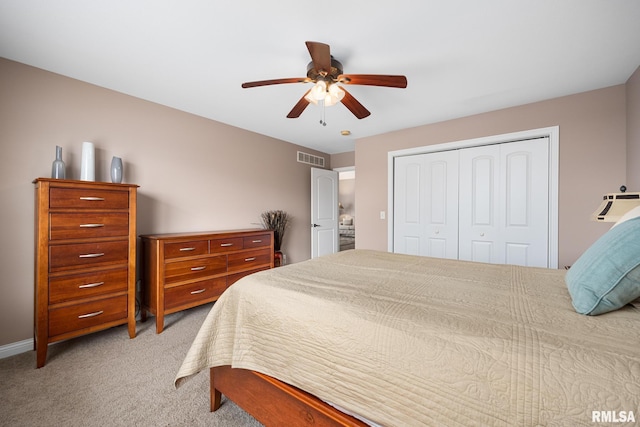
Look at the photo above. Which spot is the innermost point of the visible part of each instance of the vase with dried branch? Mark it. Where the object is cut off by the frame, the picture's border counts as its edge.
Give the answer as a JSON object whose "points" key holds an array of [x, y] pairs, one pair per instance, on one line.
{"points": [[277, 221]]}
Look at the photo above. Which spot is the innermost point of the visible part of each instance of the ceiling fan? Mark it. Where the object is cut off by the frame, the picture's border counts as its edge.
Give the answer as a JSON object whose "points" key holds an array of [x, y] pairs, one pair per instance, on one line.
{"points": [[326, 72]]}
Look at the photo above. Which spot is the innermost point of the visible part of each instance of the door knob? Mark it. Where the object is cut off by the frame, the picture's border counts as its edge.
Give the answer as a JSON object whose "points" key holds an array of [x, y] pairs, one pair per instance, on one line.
{"points": [[315, 225]]}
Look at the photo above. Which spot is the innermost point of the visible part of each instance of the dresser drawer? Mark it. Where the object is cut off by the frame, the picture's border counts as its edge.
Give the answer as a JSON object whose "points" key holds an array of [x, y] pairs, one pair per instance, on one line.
{"points": [[194, 268], [78, 286], [88, 225], [249, 259], [82, 316], [257, 241], [62, 257], [184, 249], [226, 245], [197, 292], [81, 198]]}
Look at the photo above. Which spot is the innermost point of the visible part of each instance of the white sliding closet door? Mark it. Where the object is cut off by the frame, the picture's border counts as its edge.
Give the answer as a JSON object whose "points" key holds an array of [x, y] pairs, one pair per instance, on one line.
{"points": [[488, 203], [426, 204], [504, 203]]}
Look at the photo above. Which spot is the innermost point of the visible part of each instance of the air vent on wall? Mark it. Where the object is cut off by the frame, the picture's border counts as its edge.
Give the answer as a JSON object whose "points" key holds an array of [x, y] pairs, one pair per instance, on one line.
{"points": [[310, 159]]}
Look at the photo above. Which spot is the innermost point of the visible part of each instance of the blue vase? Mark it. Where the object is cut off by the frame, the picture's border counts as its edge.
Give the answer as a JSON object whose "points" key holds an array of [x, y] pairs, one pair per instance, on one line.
{"points": [[58, 169], [116, 170]]}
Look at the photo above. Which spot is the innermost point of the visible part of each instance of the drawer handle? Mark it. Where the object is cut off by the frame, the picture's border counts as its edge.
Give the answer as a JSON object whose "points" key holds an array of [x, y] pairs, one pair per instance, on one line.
{"points": [[91, 285], [91, 225], [224, 245], [199, 291], [187, 249], [198, 268], [91, 255], [93, 199], [250, 259], [257, 241], [94, 314]]}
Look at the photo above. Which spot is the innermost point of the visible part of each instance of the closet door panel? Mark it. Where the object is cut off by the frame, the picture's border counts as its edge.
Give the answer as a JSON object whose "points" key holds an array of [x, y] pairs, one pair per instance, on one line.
{"points": [[441, 204], [518, 197], [479, 224], [413, 197], [407, 216], [482, 189], [426, 204], [518, 253], [411, 245], [525, 201], [481, 251]]}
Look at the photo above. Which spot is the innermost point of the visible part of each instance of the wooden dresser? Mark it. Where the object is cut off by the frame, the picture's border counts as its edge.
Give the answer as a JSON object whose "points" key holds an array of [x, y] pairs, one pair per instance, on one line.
{"points": [[184, 270], [85, 263]]}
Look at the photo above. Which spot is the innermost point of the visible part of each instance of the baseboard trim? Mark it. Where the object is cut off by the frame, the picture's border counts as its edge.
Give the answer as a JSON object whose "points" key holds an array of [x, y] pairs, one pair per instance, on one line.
{"points": [[12, 349]]}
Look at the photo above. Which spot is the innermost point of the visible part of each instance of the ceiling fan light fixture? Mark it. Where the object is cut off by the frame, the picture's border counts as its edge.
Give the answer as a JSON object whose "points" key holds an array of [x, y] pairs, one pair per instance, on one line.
{"points": [[329, 100], [336, 92], [319, 91], [324, 71], [334, 95], [330, 96], [309, 97]]}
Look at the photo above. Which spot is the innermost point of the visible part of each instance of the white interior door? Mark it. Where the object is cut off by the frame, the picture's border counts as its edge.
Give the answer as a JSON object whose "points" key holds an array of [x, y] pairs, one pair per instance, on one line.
{"points": [[324, 212], [426, 204]]}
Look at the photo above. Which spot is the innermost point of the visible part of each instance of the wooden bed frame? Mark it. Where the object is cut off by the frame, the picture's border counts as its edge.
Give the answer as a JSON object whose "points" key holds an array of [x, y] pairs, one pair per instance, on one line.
{"points": [[273, 402]]}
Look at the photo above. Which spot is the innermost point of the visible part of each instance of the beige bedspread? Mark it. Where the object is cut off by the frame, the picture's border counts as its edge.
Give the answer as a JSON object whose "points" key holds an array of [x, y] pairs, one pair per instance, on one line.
{"points": [[405, 340]]}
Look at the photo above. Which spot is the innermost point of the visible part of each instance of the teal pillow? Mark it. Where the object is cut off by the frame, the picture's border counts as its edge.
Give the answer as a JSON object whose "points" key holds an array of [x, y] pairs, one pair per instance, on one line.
{"points": [[607, 275]]}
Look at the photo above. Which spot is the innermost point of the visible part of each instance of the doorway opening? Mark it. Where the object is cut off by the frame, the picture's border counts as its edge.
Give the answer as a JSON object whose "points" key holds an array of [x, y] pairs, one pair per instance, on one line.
{"points": [[347, 207]]}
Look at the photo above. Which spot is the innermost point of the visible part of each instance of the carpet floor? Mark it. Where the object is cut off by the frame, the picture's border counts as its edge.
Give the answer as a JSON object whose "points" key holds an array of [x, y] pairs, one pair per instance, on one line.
{"points": [[107, 379]]}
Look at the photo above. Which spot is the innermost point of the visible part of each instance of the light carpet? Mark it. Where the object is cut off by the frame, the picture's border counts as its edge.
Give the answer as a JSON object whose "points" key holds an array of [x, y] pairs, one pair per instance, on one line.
{"points": [[107, 379]]}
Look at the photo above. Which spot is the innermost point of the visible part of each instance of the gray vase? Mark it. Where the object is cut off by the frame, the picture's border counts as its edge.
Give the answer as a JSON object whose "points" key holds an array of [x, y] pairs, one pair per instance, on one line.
{"points": [[116, 170], [58, 169]]}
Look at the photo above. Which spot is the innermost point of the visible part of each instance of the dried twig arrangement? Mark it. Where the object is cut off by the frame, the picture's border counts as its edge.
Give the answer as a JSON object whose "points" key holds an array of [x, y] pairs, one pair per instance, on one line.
{"points": [[276, 221]]}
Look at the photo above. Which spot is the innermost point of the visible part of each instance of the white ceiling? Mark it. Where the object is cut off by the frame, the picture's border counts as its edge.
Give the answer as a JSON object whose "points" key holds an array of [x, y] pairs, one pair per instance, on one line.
{"points": [[461, 57]]}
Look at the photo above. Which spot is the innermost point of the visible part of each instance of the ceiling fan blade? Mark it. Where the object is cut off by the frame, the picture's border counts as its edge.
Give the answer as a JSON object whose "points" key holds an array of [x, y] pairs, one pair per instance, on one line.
{"points": [[354, 106], [373, 80], [299, 107], [276, 82], [320, 55]]}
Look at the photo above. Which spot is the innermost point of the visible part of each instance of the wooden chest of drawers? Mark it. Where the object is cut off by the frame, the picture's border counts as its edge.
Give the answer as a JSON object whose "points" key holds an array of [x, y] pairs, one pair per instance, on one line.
{"points": [[85, 266], [184, 270]]}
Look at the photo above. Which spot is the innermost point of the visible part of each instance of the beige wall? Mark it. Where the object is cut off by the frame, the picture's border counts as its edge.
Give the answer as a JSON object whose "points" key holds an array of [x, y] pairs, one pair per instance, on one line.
{"points": [[633, 132], [343, 160], [194, 174], [592, 160]]}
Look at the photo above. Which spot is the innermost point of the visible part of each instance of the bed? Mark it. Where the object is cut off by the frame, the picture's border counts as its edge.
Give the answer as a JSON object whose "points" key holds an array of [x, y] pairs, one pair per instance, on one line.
{"points": [[373, 338]]}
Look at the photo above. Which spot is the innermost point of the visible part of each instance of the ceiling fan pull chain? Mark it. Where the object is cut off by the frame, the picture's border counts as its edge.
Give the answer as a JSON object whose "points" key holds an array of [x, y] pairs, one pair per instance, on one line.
{"points": [[323, 121]]}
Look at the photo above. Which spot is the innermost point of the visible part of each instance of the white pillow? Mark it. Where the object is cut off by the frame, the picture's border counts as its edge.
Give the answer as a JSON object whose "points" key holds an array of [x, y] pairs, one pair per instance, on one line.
{"points": [[631, 214]]}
